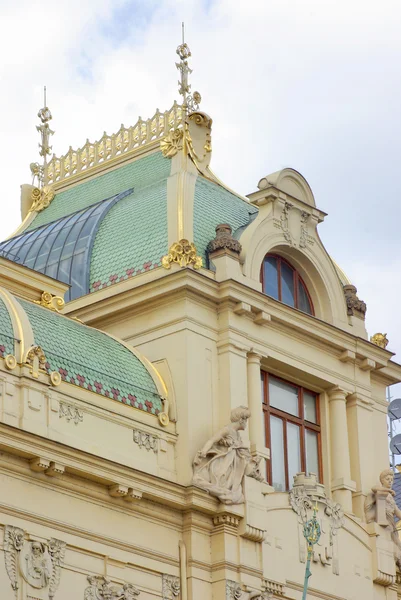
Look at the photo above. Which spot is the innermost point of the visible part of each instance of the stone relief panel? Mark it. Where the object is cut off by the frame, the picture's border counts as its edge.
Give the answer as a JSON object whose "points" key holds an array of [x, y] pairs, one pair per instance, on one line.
{"points": [[146, 440], [303, 496], [224, 460], [32, 565], [170, 587], [294, 224], [70, 413], [100, 588], [234, 591]]}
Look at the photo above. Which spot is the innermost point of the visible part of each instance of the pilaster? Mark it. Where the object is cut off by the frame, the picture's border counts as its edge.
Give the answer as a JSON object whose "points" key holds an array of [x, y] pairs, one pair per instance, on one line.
{"points": [[341, 484]]}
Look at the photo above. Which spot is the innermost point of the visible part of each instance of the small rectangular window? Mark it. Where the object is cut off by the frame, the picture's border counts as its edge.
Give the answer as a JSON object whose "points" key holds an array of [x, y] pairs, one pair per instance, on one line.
{"points": [[292, 431]]}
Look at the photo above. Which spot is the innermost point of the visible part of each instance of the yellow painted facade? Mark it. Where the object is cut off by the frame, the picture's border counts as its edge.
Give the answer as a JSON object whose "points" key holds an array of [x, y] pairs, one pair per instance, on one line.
{"points": [[112, 484]]}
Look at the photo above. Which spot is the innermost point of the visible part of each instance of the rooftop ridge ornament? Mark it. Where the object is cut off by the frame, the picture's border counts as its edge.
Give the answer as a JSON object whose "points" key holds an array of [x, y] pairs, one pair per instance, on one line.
{"points": [[190, 101], [39, 171], [42, 194]]}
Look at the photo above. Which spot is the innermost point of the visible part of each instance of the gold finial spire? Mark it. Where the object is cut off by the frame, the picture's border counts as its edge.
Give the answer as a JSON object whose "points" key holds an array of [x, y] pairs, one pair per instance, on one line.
{"points": [[190, 101], [39, 171]]}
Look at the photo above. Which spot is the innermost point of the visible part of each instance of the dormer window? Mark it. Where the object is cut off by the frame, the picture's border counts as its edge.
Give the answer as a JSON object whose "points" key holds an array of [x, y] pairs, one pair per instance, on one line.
{"points": [[281, 281]]}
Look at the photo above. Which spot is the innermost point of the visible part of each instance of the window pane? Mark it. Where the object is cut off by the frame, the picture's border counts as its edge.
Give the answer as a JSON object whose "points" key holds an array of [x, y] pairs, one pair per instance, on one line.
{"points": [[303, 300], [287, 284], [293, 451], [277, 454], [283, 396], [310, 407], [312, 461], [270, 281]]}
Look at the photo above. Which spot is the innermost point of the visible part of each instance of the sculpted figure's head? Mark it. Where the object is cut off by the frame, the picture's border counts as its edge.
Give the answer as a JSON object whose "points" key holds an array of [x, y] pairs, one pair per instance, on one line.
{"points": [[240, 415], [37, 548], [387, 478]]}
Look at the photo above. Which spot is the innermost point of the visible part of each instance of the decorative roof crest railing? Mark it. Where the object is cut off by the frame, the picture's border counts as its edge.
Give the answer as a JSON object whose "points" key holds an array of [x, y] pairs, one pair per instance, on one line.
{"points": [[111, 146]]}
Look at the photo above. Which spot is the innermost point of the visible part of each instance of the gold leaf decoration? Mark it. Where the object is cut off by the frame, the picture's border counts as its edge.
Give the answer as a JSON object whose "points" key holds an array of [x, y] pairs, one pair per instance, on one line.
{"points": [[170, 144], [51, 302], [380, 339], [41, 198], [183, 253]]}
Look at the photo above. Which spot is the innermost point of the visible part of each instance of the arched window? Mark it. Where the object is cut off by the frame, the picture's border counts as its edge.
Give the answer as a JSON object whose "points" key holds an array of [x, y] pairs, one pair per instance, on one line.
{"points": [[281, 281]]}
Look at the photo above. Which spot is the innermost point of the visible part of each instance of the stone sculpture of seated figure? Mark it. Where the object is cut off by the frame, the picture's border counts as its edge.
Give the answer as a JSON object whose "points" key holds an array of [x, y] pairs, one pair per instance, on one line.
{"points": [[223, 461]]}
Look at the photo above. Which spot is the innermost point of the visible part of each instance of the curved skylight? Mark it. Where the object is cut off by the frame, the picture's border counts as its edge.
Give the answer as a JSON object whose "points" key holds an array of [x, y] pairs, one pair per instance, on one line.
{"points": [[62, 249]]}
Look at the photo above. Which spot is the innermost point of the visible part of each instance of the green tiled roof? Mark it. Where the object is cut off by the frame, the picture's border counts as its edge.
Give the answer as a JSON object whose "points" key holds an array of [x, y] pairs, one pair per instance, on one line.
{"points": [[132, 237], [6, 331], [91, 359], [214, 205], [137, 174]]}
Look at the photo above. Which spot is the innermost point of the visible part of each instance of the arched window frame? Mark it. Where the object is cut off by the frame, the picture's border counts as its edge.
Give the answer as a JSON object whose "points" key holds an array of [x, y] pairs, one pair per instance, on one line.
{"points": [[297, 277]]}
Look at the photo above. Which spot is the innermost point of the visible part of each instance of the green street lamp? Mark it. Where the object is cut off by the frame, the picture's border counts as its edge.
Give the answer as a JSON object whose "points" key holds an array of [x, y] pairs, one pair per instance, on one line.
{"points": [[312, 535]]}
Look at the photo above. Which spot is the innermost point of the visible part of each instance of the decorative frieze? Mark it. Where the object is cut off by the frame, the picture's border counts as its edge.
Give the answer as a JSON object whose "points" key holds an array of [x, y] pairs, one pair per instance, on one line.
{"points": [[100, 588], [170, 587], [146, 440], [38, 563], [70, 413]]}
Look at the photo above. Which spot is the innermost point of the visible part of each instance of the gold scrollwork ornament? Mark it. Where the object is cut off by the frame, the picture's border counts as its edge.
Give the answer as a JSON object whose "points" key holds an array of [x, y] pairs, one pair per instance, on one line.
{"points": [[41, 198], [183, 253], [47, 300], [170, 144]]}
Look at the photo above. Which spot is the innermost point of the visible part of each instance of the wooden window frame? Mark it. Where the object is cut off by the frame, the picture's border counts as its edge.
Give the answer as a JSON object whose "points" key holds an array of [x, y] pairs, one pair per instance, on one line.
{"points": [[296, 278], [288, 418]]}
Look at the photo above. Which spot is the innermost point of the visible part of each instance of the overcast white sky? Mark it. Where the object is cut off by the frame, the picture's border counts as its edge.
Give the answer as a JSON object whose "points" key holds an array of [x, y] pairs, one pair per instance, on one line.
{"points": [[302, 83]]}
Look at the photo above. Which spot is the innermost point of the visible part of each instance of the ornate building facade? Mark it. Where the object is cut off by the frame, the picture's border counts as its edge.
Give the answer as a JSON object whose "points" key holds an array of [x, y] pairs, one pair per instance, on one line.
{"points": [[190, 405]]}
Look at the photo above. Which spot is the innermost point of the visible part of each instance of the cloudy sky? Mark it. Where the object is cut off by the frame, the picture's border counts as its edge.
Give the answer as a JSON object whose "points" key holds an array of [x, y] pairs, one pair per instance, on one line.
{"points": [[303, 83]]}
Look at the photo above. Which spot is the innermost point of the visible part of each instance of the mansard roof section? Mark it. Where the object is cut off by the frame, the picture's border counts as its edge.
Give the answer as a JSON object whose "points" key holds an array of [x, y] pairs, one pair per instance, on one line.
{"points": [[78, 354]]}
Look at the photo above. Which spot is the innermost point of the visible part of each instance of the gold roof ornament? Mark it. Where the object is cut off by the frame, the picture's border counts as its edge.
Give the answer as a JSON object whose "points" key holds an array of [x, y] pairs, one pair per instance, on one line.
{"points": [[42, 194], [190, 101], [47, 300], [183, 253], [380, 339]]}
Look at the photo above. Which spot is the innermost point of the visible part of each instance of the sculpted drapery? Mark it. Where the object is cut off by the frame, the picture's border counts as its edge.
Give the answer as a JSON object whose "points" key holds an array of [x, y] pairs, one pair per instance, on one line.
{"points": [[223, 461], [392, 511]]}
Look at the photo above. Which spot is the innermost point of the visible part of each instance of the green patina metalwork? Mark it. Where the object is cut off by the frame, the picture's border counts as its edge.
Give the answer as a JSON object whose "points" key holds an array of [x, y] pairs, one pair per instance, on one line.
{"points": [[91, 359], [214, 205], [6, 331]]}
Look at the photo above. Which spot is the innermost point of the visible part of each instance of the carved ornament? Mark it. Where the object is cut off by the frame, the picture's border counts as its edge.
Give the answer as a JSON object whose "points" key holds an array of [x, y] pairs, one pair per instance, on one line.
{"points": [[10, 361], [355, 307], [172, 143], [224, 240], [380, 339], [146, 440], [183, 253], [37, 360], [38, 563], [170, 587], [305, 493], [220, 466], [70, 413], [51, 302], [381, 508], [100, 588], [41, 198]]}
